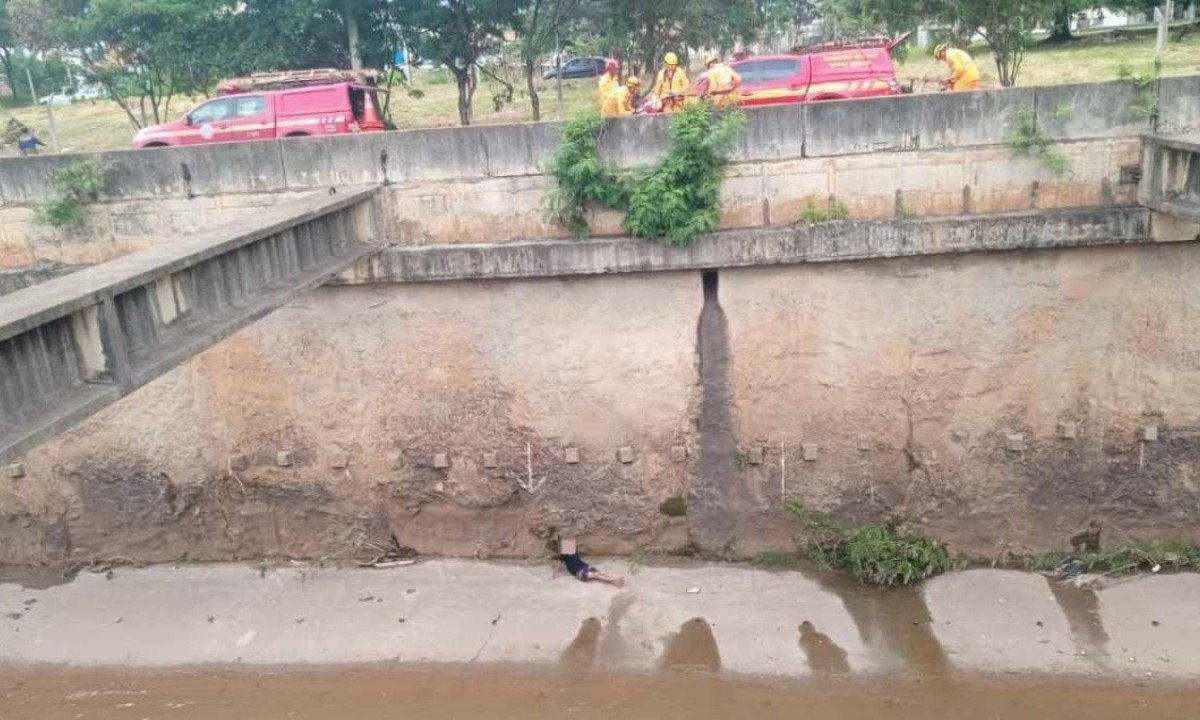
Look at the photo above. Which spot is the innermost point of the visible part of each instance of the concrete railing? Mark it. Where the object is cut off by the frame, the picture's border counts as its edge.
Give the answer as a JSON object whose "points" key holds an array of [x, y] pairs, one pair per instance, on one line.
{"points": [[72, 345], [922, 155], [1171, 176], [764, 247]]}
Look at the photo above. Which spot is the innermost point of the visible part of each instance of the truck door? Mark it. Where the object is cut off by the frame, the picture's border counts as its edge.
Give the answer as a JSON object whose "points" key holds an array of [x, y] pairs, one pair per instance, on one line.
{"points": [[771, 81], [252, 119], [210, 123]]}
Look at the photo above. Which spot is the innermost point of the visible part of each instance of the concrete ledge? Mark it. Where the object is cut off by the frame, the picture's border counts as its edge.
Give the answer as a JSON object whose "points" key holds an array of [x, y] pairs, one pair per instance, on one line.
{"points": [[826, 242], [1087, 111], [1179, 104], [817, 130], [26, 309]]}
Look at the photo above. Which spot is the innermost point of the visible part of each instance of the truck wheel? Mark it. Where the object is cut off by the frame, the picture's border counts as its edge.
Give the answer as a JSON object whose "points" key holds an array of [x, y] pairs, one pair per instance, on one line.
{"points": [[296, 134], [155, 144]]}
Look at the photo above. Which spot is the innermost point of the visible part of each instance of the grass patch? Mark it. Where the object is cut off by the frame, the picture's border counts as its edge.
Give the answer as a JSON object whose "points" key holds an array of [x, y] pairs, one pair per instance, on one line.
{"points": [[874, 554], [674, 506], [637, 559], [1026, 139], [1137, 556], [72, 187], [833, 209], [775, 559]]}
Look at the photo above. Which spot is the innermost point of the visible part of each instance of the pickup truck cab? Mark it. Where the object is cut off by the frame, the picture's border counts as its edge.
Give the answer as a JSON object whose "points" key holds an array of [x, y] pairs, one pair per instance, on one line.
{"points": [[833, 71], [252, 109]]}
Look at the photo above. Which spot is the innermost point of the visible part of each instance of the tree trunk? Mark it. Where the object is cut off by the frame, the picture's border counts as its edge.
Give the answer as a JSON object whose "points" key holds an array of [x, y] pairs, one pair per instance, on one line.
{"points": [[462, 78], [352, 38], [1060, 32], [6, 59], [535, 103]]}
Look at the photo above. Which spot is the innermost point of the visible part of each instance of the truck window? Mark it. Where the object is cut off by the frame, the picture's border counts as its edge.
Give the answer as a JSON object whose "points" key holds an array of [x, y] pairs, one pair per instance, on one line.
{"points": [[214, 111], [770, 70], [252, 106]]}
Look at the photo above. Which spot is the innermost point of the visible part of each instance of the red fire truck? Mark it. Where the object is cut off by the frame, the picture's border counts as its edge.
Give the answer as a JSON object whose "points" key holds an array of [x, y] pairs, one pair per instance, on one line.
{"points": [[276, 105]]}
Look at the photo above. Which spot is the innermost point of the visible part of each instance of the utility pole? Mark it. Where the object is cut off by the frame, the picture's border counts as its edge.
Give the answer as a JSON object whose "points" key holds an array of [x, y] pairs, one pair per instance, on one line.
{"points": [[558, 73], [1164, 26], [49, 112]]}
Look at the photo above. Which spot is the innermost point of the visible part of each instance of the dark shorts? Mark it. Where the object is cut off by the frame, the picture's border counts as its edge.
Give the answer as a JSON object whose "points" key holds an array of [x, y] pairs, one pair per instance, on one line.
{"points": [[584, 572]]}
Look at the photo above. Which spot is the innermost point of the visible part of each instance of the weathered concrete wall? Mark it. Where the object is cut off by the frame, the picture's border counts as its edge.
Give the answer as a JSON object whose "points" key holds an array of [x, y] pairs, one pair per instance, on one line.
{"points": [[995, 398], [918, 155], [364, 388]]}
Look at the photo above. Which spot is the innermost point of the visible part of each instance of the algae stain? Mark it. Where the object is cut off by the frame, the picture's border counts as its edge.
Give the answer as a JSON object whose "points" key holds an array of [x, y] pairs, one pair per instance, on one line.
{"points": [[824, 656], [692, 649], [581, 653]]}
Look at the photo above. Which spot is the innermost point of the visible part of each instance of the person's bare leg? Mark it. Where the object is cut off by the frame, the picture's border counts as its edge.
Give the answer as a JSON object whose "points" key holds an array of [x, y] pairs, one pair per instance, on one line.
{"points": [[601, 577]]}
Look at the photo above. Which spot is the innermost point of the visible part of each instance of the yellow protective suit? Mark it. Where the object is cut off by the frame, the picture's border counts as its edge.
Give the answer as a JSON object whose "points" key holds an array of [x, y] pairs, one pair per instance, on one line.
{"points": [[607, 84], [964, 73], [723, 84], [618, 102], [674, 83]]}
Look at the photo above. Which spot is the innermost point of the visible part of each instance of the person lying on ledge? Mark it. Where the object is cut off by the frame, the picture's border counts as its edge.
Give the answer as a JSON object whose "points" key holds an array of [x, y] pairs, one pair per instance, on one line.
{"points": [[569, 554]]}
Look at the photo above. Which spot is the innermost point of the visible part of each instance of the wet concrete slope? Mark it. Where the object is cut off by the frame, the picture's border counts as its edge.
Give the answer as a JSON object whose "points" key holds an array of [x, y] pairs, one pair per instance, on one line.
{"points": [[726, 619]]}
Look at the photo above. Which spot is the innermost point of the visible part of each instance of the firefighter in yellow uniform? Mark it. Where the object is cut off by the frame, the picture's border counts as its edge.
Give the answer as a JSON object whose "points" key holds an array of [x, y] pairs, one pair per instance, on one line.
{"points": [[671, 84], [723, 82], [620, 100], [609, 81], [964, 73]]}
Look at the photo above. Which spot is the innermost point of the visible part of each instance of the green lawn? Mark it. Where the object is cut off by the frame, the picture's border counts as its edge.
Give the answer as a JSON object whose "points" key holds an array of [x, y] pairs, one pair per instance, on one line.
{"points": [[103, 126], [1091, 58]]}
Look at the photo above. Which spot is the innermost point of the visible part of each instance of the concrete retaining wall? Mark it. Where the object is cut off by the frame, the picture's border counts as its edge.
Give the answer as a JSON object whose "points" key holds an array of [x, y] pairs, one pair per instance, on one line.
{"points": [[922, 155], [998, 399]]}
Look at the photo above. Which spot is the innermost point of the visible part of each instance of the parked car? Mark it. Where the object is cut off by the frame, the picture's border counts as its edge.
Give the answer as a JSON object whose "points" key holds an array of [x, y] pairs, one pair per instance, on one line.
{"points": [[831, 71], [262, 107], [55, 100], [578, 68], [91, 92]]}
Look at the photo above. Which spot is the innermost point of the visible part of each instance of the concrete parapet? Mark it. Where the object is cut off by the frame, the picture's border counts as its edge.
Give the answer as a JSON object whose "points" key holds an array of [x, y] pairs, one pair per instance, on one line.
{"points": [[1179, 105], [825, 242], [1087, 111], [75, 344]]}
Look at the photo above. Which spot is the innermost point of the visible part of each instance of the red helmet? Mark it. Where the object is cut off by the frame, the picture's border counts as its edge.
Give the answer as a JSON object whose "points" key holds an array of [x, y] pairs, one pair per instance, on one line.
{"points": [[612, 66]]}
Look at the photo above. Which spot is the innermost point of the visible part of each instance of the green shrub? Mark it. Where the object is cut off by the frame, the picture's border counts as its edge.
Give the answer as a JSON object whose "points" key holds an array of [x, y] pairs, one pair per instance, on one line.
{"points": [[1026, 139], [72, 186], [580, 176], [675, 201], [833, 209], [880, 555], [678, 199], [1124, 559], [775, 559], [874, 554], [674, 506], [1145, 103]]}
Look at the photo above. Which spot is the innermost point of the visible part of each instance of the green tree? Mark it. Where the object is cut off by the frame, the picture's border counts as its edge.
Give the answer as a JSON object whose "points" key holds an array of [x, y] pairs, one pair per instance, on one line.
{"points": [[8, 45], [640, 32], [1005, 25], [1060, 21], [144, 52], [539, 23], [457, 33]]}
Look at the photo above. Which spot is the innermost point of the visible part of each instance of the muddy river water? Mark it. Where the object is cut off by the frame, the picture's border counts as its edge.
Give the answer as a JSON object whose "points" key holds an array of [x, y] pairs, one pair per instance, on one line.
{"points": [[449, 639], [694, 694]]}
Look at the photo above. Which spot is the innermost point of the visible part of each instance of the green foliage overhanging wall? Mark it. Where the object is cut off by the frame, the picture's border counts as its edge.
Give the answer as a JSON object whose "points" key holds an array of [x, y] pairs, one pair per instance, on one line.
{"points": [[675, 200]]}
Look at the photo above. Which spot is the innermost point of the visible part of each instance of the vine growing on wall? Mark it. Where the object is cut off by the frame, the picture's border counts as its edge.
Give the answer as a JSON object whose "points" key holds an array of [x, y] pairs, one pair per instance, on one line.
{"points": [[1026, 139], [675, 200], [72, 187], [582, 177]]}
